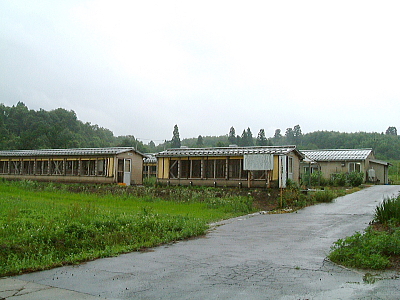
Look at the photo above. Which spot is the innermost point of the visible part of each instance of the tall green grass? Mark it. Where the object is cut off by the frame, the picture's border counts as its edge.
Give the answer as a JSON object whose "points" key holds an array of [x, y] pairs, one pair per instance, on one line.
{"points": [[373, 248], [45, 225], [388, 211]]}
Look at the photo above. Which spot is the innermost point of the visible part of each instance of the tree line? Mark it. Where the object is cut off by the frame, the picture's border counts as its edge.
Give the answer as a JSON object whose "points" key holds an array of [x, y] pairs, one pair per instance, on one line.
{"points": [[386, 145], [23, 128]]}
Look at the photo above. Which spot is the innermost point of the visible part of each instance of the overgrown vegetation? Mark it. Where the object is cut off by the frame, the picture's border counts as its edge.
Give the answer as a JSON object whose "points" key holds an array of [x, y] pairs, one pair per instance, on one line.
{"points": [[43, 225], [294, 197], [352, 179], [388, 211], [378, 246]]}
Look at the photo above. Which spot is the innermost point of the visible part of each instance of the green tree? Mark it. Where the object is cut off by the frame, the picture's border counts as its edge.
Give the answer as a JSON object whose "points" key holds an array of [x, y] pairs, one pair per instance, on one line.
{"points": [[297, 135], [200, 142], [391, 130], [277, 139], [261, 139], [243, 139], [249, 136], [232, 136], [152, 146], [239, 140], [289, 134], [176, 141]]}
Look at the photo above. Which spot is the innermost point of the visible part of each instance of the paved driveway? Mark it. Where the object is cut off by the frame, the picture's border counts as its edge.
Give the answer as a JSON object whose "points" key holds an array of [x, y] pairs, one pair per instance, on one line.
{"points": [[251, 257]]}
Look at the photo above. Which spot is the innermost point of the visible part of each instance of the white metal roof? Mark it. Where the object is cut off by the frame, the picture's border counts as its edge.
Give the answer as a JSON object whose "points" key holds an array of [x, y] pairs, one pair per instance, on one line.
{"points": [[228, 151], [149, 158], [337, 154], [67, 152]]}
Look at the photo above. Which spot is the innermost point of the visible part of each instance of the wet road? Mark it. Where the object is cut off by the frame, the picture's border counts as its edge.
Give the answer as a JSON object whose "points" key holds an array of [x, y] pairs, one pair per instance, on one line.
{"points": [[271, 256]]}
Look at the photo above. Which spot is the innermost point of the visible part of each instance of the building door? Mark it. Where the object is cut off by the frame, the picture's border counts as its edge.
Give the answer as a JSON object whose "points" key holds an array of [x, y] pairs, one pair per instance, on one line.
{"points": [[124, 171]]}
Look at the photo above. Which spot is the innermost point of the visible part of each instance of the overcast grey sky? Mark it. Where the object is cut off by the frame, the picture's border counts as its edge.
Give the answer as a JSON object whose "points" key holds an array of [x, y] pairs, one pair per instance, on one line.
{"points": [[140, 67]]}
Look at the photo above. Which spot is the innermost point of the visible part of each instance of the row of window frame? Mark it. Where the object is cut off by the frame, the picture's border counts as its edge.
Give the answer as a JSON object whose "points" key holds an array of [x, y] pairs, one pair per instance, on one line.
{"points": [[95, 167], [222, 168]]}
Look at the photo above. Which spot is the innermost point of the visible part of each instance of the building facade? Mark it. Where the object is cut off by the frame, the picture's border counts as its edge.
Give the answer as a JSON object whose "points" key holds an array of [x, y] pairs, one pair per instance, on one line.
{"points": [[334, 161], [229, 166], [123, 165]]}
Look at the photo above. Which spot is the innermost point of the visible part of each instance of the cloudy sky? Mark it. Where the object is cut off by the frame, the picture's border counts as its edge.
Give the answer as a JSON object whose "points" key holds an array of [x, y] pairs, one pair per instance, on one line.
{"points": [[140, 67]]}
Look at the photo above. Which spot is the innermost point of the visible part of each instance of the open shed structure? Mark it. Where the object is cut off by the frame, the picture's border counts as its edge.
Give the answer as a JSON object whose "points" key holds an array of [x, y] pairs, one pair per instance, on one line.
{"points": [[334, 161], [122, 165], [149, 165], [229, 166]]}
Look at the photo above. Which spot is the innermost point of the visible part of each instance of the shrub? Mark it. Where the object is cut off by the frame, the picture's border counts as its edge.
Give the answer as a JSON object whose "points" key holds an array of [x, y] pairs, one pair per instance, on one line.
{"points": [[388, 210], [362, 250], [355, 178], [324, 196], [347, 179], [150, 181], [316, 179], [339, 179]]}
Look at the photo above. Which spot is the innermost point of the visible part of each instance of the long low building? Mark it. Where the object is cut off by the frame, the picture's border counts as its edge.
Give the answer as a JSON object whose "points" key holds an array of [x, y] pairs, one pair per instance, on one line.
{"points": [[229, 166], [334, 161], [122, 165]]}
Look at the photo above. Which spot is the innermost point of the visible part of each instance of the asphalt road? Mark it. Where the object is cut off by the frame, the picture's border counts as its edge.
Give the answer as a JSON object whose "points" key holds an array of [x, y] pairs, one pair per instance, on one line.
{"points": [[260, 256]]}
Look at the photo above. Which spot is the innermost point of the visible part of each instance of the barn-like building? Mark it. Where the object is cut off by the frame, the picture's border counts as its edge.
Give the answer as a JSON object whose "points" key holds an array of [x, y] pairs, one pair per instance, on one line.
{"points": [[229, 166], [122, 165], [334, 161]]}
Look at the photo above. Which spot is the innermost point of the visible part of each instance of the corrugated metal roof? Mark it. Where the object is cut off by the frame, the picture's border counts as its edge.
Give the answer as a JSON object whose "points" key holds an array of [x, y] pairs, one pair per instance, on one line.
{"points": [[149, 158], [337, 154], [380, 162], [228, 151], [67, 152]]}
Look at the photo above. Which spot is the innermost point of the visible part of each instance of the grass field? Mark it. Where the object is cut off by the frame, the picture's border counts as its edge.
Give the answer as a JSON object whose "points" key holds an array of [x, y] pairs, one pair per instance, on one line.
{"points": [[44, 225]]}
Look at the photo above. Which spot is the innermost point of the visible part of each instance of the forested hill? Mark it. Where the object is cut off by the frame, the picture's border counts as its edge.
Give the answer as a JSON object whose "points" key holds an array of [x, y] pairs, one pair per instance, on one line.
{"points": [[22, 128]]}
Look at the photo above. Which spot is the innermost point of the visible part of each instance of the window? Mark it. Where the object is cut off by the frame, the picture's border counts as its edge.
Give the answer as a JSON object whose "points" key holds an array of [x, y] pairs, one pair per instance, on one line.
{"points": [[173, 169], [220, 166], [234, 168], [101, 167], [88, 167], [196, 169], [3, 167], [15, 167], [57, 167], [72, 167], [209, 168], [42, 167], [354, 167], [185, 168], [28, 167], [290, 167]]}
